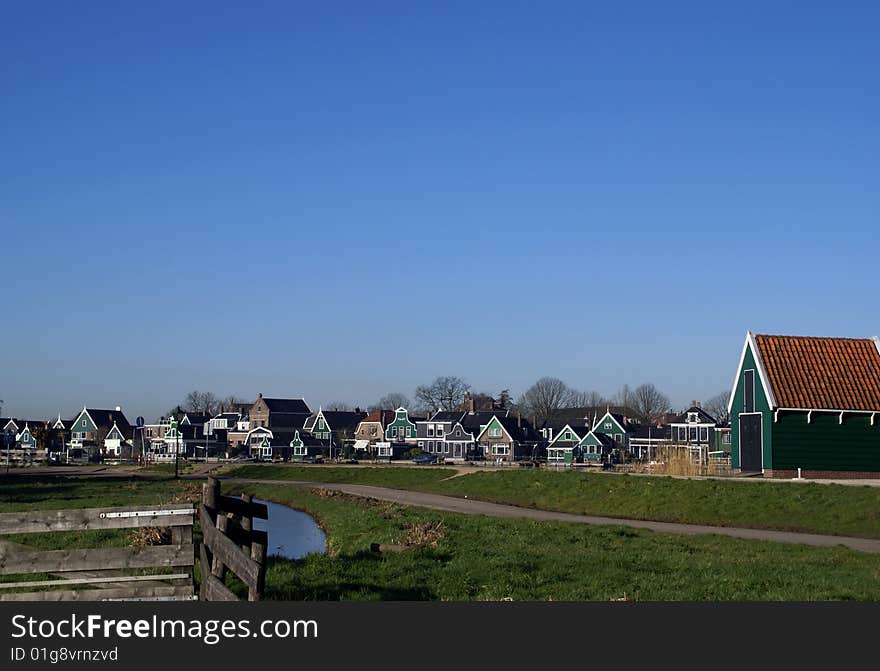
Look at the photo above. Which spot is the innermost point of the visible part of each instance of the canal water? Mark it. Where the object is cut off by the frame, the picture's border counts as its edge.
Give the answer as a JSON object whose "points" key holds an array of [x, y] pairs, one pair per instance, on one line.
{"points": [[292, 533]]}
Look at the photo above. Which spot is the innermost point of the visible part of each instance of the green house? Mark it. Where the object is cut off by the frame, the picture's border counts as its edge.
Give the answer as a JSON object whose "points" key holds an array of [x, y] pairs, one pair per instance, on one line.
{"points": [[612, 424], [595, 446], [806, 406], [401, 429], [26, 440]]}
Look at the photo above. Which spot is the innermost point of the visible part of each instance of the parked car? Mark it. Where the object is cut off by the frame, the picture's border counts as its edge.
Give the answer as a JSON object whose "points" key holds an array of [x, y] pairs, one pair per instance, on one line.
{"points": [[312, 459], [425, 458]]}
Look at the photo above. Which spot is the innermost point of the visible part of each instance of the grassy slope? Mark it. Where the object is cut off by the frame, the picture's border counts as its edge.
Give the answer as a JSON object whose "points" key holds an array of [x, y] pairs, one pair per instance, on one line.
{"points": [[833, 509], [483, 558]]}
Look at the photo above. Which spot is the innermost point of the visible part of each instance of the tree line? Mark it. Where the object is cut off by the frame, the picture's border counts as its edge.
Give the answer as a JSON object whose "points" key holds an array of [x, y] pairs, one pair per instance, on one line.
{"points": [[544, 400]]}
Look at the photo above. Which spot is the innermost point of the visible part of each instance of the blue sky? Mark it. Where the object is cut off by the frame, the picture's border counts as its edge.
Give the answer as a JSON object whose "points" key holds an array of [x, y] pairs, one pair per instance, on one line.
{"points": [[342, 200]]}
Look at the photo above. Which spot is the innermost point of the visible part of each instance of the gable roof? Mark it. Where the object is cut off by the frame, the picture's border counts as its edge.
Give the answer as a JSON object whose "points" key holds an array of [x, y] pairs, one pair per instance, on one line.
{"points": [[703, 416], [104, 419], [617, 417], [806, 372], [602, 438], [579, 434], [519, 429]]}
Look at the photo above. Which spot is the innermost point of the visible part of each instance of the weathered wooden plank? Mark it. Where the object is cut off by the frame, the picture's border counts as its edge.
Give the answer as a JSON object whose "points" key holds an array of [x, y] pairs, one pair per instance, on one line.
{"points": [[231, 504], [243, 537], [117, 593], [204, 569], [105, 573], [218, 569], [214, 590], [53, 561], [228, 552], [36, 521], [88, 581]]}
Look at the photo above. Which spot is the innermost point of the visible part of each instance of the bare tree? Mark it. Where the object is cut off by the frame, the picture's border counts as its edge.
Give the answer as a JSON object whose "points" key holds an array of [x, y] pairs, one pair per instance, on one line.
{"points": [[201, 401], [717, 406], [232, 401], [505, 401], [623, 398], [444, 393], [649, 402], [545, 398], [340, 406], [392, 401]]}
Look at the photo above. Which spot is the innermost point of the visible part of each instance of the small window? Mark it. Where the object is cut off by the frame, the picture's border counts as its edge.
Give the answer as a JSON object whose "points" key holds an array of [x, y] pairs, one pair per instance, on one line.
{"points": [[84, 422], [749, 391]]}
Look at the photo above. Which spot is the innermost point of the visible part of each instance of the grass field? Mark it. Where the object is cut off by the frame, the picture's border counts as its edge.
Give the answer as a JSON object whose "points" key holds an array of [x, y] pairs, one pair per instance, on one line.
{"points": [[481, 558], [820, 508]]}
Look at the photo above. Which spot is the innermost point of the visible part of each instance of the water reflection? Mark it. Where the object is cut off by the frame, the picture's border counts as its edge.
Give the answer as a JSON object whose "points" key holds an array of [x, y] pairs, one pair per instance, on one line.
{"points": [[292, 533]]}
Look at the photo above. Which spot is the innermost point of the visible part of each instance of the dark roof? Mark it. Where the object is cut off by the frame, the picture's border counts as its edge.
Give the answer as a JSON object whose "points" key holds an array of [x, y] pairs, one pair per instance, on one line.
{"points": [[104, 419], [476, 420], [605, 439], [822, 373], [287, 419], [197, 417], [519, 430], [290, 405], [383, 417], [705, 417], [20, 423], [581, 416], [648, 431], [446, 416], [340, 419]]}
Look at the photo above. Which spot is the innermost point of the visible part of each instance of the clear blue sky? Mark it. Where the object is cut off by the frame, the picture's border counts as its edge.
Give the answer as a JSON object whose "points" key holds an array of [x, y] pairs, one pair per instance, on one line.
{"points": [[339, 200]]}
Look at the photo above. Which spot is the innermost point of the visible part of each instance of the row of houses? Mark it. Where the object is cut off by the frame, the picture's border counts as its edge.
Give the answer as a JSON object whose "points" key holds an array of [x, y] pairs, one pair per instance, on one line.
{"points": [[287, 429], [798, 406]]}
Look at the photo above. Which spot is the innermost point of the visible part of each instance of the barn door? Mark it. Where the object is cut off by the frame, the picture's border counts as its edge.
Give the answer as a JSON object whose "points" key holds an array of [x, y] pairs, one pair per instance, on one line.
{"points": [[750, 442]]}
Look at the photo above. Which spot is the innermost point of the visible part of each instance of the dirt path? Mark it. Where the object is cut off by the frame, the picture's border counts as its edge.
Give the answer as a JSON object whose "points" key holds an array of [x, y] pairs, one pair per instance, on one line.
{"points": [[474, 507]]}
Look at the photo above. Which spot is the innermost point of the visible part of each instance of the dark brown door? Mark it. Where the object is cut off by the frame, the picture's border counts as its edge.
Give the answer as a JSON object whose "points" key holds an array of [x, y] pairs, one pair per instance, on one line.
{"points": [[750, 442]]}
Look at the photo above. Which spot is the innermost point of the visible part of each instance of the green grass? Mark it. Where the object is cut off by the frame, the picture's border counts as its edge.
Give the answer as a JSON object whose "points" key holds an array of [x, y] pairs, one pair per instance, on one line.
{"points": [[482, 558], [380, 476], [820, 508]]}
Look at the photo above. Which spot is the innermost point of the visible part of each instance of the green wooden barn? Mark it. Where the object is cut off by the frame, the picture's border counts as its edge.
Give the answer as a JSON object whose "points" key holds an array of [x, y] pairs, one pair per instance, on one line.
{"points": [[806, 403]]}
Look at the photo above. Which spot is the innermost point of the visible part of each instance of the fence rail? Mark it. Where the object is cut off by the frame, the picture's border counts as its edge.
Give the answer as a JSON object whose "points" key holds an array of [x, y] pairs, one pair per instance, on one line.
{"points": [[230, 543], [117, 572]]}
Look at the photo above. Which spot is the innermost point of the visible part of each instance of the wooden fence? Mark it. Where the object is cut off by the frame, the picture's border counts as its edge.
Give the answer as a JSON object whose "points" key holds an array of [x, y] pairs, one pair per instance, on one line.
{"points": [[230, 543], [118, 573]]}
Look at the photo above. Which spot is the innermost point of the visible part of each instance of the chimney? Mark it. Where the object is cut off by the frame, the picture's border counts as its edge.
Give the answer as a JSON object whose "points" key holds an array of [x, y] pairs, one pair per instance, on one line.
{"points": [[518, 419], [695, 404]]}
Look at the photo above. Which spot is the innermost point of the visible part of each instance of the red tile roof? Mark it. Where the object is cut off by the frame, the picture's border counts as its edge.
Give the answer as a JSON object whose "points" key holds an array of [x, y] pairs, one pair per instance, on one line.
{"points": [[822, 373]]}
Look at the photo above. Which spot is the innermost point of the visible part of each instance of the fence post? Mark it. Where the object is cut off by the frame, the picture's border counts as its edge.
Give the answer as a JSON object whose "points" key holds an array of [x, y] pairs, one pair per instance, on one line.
{"points": [[210, 493], [258, 554], [247, 522]]}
